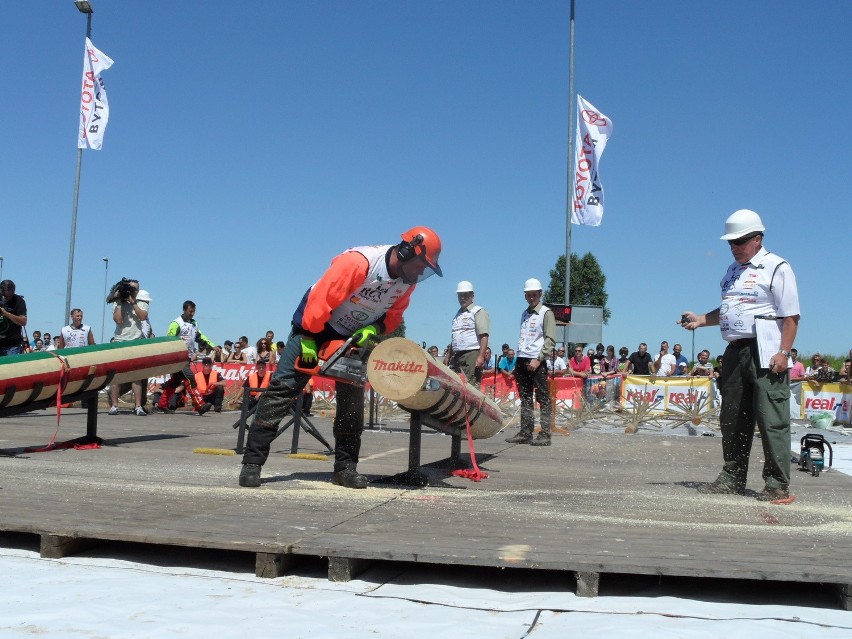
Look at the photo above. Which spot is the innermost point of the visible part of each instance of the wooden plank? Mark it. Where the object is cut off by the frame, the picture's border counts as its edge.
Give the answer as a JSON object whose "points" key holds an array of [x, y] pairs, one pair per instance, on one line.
{"points": [[272, 565], [589, 505], [58, 546], [346, 568], [587, 583]]}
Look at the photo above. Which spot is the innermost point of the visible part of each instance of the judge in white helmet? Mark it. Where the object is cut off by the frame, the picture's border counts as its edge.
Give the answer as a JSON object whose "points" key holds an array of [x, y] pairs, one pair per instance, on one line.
{"points": [[469, 336], [535, 346], [759, 299]]}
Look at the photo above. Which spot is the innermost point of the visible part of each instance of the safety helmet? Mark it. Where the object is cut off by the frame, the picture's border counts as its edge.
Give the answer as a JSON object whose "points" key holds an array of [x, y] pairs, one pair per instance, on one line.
{"points": [[464, 287], [741, 223], [143, 296], [421, 242], [532, 284]]}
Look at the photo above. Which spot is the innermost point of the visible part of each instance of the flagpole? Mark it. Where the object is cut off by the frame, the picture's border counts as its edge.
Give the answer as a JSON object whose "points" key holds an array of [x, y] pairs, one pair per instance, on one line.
{"points": [[84, 7], [570, 170]]}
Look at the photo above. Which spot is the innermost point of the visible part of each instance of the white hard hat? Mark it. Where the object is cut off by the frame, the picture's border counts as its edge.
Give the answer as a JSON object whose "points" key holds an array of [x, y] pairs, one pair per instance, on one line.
{"points": [[464, 287], [741, 223], [532, 284], [143, 296]]}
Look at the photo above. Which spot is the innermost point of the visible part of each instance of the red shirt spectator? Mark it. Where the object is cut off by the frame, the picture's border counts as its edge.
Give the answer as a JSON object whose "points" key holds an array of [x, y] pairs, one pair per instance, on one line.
{"points": [[579, 364]]}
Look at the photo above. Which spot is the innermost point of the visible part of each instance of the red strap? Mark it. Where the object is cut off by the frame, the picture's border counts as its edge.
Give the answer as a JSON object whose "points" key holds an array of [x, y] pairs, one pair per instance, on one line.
{"points": [[63, 382], [474, 474]]}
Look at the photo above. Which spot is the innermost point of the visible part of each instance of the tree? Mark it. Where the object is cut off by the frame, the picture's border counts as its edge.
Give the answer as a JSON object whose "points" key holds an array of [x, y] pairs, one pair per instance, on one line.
{"points": [[588, 283]]}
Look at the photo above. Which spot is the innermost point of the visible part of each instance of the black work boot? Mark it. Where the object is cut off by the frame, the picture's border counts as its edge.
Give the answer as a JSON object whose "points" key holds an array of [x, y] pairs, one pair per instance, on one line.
{"points": [[205, 408], [520, 438], [349, 478], [543, 439], [250, 475]]}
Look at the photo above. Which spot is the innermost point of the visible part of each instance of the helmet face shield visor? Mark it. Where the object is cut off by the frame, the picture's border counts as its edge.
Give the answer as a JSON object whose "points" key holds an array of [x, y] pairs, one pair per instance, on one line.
{"points": [[418, 269]]}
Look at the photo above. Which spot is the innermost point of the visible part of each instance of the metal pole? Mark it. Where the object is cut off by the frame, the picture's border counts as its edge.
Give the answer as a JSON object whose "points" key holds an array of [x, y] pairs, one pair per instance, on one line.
{"points": [[1, 268], [103, 311], [570, 169], [74, 208]]}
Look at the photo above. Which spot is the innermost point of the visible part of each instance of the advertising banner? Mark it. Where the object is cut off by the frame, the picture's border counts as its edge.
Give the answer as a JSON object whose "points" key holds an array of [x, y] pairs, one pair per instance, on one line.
{"points": [[668, 394], [830, 398]]}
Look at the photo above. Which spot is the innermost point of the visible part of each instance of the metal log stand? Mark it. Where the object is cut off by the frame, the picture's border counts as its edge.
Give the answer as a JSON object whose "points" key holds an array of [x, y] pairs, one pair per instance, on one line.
{"points": [[434, 396], [298, 418]]}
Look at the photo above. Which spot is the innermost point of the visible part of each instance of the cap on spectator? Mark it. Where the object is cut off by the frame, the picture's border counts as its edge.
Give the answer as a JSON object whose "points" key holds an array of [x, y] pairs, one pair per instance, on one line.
{"points": [[228, 342], [207, 360], [143, 296], [504, 346]]}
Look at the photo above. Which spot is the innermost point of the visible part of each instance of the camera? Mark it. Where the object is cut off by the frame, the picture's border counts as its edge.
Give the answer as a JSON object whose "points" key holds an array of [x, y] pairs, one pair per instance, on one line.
{"points": [[684, 320], [122, 291]]}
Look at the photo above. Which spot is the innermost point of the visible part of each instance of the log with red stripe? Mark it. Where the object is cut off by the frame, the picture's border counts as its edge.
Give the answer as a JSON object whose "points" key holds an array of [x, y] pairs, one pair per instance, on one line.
{"points": [[403, 372], [35, 376]]}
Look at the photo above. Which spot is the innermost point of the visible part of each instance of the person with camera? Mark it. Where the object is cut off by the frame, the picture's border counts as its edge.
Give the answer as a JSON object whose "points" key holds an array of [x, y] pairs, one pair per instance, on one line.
{"points": [[364, 293], [13, 317], [758, 284], [128, 313]]}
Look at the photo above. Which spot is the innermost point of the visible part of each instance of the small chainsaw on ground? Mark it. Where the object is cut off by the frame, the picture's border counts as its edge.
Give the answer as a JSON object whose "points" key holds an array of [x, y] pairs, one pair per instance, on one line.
{"points": [[339, 360]]}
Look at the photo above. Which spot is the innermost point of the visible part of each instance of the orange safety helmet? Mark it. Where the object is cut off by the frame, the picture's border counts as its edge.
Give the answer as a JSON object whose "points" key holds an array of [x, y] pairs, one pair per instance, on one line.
{"points": [[421, 241]]}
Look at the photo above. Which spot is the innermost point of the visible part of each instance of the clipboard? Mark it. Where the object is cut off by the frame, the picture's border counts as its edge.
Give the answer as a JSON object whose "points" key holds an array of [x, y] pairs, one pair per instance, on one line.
{"points": [[768, 331]]}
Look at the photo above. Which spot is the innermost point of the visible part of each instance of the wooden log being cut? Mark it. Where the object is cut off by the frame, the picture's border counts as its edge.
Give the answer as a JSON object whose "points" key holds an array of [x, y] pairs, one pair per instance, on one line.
{"points": [[403, 372]]}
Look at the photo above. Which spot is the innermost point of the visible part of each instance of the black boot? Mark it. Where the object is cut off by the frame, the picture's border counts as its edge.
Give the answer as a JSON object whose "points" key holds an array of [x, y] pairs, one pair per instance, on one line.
{"points": [[250, 475], [349, 478]]}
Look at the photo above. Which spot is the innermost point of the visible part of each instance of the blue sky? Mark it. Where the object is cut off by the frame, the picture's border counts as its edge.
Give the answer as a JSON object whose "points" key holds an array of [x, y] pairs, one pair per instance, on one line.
{"points": [[250, 142]]}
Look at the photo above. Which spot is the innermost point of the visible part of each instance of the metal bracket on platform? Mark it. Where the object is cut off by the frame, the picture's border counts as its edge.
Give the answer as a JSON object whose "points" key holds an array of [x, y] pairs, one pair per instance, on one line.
{"points": [[414, 476]]}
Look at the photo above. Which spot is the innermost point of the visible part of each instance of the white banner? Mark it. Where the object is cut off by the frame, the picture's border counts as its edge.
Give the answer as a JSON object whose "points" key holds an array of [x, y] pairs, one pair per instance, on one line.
{"points": [[94, 108], [593, 131]]}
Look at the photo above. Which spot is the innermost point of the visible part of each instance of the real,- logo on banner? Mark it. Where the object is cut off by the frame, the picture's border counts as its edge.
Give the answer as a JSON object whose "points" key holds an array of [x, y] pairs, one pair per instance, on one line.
{"points": [[593, 131], [94, 107]]}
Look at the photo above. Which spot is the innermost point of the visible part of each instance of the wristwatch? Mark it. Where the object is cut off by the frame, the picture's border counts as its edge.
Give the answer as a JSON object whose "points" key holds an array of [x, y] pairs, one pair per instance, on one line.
{"points": [[786, 354]]}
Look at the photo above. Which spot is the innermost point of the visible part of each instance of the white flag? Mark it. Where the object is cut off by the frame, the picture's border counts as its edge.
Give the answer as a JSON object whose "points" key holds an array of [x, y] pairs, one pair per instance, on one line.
{"points": [[94, 108], [593, 131]]}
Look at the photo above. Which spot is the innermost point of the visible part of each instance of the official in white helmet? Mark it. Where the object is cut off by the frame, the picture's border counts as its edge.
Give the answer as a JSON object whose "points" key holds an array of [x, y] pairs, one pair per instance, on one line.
{"points": [[535, 346], [755, 389], [470, 329]]}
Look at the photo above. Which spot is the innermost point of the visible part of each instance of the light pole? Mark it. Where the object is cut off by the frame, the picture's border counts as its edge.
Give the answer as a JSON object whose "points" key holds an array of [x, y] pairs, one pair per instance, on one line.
{"points": [[84, 6], [103, 312], [1, 268]]}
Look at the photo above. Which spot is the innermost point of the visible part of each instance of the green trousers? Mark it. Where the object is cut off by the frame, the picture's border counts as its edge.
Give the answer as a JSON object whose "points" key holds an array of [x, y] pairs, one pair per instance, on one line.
{"points": [[750, 395]]}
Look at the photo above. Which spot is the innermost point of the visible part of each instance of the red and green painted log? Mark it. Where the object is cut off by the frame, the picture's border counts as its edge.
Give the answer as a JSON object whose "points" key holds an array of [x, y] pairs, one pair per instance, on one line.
{"points": [[35, 377]]}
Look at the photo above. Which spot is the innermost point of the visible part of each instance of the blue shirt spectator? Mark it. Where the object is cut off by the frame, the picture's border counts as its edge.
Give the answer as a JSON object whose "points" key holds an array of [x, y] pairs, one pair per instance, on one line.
{"points": [[682, 366], [507, 362]]}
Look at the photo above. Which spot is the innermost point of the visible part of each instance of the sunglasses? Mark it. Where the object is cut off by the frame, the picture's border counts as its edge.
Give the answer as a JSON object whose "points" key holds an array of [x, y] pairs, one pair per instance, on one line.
{"points": [[742, 240]]}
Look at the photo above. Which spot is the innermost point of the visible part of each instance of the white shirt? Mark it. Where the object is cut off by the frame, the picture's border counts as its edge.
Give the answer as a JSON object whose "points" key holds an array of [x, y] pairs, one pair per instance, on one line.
{"points": [[251, 354], [465, 337], [76, 337], [668, 363], [765, 285], [556, 365], [531, 341]]}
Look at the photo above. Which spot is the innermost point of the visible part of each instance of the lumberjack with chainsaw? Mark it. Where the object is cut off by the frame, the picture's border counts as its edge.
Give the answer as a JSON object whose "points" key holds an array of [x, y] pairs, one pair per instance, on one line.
{"points": [[362, 294]]}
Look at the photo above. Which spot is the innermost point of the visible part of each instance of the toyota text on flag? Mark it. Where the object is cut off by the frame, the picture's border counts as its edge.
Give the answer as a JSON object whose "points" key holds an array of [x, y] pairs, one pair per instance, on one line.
{"points": [[94, 107], [593, 131]]}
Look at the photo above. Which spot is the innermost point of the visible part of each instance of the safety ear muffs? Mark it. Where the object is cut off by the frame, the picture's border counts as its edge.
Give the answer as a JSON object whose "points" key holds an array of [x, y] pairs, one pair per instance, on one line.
{"points": [[405, 250]]}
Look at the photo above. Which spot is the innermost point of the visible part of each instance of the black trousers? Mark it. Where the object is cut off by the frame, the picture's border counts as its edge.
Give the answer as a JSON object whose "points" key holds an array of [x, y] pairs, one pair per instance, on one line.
{"points": [[284, 390], [530, 383]]}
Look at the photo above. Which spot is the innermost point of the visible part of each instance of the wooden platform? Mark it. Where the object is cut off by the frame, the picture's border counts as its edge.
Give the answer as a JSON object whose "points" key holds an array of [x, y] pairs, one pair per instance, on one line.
{"points": [[591, 506]]}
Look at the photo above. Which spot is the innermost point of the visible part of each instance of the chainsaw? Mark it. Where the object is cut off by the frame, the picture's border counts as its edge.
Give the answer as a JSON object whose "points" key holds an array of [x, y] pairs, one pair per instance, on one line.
{"points": [[339, 360], [812, 457]]}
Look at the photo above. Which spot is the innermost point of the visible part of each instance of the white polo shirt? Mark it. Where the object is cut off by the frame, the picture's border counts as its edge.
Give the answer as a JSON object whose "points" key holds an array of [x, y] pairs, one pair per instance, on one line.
{"points": [[765, 285]]}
